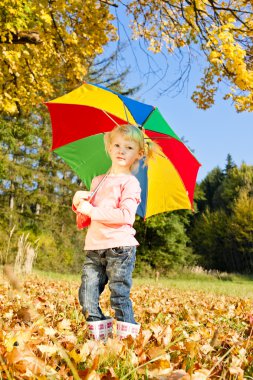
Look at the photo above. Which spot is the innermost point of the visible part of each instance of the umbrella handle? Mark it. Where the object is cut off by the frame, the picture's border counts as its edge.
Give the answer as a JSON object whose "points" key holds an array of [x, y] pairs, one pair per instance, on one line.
{"points": [[82, 221]]}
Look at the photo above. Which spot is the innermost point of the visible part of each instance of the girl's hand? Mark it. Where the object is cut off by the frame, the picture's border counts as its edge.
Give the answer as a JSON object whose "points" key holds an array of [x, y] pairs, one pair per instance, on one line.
{"points": [[80, 195], [84, 207]]}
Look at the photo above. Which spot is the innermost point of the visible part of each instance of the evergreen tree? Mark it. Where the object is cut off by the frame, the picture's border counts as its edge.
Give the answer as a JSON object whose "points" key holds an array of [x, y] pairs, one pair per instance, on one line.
{"points": [[234, 180], [222, 237], [209, 187], [229, 163]]}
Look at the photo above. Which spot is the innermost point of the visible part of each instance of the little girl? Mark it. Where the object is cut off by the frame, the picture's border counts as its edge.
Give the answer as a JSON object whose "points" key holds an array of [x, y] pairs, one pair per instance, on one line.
{"points": [[110, 244]]}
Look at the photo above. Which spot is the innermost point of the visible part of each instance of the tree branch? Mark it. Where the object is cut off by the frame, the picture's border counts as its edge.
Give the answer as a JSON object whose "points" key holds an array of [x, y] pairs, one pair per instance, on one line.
{"points": [[22, 38], [109, 3]]}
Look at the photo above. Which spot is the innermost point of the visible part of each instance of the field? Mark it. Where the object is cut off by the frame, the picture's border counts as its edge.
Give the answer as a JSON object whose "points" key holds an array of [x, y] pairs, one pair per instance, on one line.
{"points": [[192, 328]]}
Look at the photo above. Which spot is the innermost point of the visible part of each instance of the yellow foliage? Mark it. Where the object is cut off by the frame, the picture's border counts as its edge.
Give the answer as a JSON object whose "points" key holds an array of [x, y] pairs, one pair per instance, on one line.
{"points": [[224, 32], [242, 220], [44, 42], [67, 35]]}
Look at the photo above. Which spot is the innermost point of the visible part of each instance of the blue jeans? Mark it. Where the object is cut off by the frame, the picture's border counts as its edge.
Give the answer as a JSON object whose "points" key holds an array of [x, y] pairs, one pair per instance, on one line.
{"points": [[113, 266]]}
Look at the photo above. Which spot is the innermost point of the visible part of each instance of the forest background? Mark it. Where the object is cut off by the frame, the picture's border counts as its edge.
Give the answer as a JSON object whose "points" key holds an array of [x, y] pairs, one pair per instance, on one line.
{"points": [[49, 48]]}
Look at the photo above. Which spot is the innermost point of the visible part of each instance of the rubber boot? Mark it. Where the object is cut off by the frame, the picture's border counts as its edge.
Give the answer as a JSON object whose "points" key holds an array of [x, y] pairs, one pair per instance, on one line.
{"points": [[100, 330], [125, 329], [109, 327]]}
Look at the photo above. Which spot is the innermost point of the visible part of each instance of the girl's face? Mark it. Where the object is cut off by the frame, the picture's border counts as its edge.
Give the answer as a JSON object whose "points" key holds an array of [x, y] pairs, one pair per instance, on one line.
{"points": [[123, 153]]}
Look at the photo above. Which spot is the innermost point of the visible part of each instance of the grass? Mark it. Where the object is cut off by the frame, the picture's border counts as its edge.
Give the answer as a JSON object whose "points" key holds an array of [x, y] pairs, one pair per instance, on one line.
{"points": [[223, 284], [57, 276], [240, 287]]}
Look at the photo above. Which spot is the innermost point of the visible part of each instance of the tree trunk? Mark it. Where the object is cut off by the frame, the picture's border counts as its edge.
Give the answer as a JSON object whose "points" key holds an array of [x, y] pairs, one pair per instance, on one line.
{"points": [[37, 210]]}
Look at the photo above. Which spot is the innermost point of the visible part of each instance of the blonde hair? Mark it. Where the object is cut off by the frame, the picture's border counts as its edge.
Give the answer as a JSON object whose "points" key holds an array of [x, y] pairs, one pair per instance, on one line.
{"points": [[133, 133]]}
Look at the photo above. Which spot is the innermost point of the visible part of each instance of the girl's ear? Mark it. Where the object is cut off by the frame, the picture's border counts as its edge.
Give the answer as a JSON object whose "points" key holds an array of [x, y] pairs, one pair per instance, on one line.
{"points": [[141, 154]]}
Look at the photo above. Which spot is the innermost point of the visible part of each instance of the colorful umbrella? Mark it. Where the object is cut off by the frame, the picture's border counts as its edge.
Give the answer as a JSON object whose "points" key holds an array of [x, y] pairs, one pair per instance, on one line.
{"points": [[79, 121]]}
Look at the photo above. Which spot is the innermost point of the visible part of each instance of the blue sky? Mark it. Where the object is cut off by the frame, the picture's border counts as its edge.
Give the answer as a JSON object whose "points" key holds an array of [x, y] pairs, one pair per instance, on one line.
{"points": [[213, 133]]}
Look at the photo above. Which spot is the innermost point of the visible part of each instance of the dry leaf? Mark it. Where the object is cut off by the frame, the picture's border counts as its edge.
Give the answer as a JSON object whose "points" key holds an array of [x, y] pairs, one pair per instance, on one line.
{"points": [[201, 374], [179, 374], [49, 350], [25, 359], [24, 314], [65, 324]]}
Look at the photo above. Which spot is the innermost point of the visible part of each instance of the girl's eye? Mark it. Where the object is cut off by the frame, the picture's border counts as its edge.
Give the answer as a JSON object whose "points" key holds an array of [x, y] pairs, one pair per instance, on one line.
{"points": [[116, 145], [130, 147]]}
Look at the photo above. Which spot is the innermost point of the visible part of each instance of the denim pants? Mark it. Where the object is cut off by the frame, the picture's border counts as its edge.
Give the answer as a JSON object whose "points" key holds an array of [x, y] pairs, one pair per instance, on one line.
{"points": [[113, 266]]}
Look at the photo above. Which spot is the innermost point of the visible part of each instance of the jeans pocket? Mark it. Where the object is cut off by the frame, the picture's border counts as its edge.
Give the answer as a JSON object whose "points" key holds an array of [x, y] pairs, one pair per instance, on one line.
{"points": [[123, 251]]}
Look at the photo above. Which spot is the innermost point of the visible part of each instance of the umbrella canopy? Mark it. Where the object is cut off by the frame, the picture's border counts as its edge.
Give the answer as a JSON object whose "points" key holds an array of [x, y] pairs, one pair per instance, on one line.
{"points": [[80, 119]]}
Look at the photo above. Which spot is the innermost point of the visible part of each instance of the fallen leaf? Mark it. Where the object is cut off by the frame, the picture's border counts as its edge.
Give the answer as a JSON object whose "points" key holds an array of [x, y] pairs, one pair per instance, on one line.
{"points": [[49, 350], [24, 314], [179, 374]]}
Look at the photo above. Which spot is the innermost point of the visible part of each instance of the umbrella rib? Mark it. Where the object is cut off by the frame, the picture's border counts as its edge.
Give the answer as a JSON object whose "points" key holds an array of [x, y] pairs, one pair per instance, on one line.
{"points": [[125, 112], [110, 117]]}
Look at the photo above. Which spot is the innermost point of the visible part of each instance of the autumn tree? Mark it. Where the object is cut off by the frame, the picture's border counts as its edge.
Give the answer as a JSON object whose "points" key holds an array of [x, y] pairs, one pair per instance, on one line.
{"points": [[43, 43], [221, 30]]}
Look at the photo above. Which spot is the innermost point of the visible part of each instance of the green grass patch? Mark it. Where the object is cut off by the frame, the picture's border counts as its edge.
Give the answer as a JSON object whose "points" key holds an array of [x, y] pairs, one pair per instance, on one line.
{"points": [[57, 275], [236, 286], [218, 283]]}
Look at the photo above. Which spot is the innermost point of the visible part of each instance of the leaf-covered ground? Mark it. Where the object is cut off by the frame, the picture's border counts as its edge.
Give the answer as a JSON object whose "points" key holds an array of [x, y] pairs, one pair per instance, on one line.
{"points": [[185, 335]]}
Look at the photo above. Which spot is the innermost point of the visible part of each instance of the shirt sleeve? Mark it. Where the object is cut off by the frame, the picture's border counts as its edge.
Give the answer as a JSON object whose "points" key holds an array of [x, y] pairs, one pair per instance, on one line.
{"points": [[125, 212]]}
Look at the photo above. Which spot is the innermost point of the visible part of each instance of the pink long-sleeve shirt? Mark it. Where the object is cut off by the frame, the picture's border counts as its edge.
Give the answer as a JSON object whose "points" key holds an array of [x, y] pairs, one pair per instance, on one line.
{"points": [[113, 212]]}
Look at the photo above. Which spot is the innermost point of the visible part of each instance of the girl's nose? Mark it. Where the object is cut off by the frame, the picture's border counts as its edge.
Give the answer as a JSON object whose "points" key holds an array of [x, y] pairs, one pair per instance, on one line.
{"points": [[121, 150]]}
